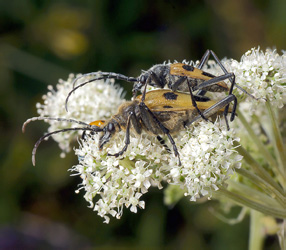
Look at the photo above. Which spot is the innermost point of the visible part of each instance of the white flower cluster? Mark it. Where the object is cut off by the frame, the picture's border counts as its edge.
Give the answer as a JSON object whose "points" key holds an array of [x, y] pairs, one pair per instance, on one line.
{"points": [[207, 155], [262, 74], [118, 181], [95, 101], [206, 149]]}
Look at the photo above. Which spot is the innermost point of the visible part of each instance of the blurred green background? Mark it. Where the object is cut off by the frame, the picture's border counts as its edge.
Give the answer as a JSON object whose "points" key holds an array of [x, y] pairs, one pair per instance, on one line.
{"points": [[42, 41]]}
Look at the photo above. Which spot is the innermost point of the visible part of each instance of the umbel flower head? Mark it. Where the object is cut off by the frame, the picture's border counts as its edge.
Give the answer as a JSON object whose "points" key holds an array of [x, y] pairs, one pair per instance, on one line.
{"points": [[207, 154], [87, 104], [262, 74]]}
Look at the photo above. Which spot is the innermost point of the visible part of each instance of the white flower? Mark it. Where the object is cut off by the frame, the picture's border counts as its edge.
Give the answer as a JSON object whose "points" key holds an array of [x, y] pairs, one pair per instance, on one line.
{"points": [[95, 101], [262, 74], [207, 156], [125, 180]]}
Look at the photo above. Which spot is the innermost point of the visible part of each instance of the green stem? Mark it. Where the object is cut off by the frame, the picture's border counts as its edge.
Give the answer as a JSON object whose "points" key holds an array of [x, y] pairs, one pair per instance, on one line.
{"points": [[282, 235], [278, 144], [257, 168], [229, 221], [243, 201], [261, 147], [261, 183], [253, 194], [256, 236]]}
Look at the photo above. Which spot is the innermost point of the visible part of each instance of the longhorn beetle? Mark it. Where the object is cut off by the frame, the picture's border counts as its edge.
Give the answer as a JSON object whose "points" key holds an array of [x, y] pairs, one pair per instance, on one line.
{"points": [[177, 76], [162, 112]]}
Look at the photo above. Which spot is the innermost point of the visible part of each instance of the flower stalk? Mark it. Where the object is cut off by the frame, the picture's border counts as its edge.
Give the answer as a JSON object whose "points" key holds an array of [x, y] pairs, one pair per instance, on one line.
{"points": [[256, 237], [264, 185], [268, 157], [243, 201], [280, 149], [257, 168]]}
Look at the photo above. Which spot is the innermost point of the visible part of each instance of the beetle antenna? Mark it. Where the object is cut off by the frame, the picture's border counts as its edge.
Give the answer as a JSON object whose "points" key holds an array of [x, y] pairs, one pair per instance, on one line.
{"points": [[99, 76], [53, 119], [252, 96], [48, 135], [102, 75], [79, 86], [84, 75]]}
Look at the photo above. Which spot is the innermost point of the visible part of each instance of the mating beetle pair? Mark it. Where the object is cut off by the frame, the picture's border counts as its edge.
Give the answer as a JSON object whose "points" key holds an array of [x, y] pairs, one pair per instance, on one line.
{"points": [[177, 77], [160, 112]]}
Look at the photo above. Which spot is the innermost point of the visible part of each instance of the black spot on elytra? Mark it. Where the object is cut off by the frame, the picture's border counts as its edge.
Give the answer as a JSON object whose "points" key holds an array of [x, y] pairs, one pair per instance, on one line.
{"points": [[167, 107], [170, 96], [207, 74], [188, 67], [199, 98]]}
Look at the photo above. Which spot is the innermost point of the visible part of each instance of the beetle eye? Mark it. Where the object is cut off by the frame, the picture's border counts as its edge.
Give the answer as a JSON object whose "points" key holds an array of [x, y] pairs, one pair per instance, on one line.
{"points": [[142, 78], [110, 127]]}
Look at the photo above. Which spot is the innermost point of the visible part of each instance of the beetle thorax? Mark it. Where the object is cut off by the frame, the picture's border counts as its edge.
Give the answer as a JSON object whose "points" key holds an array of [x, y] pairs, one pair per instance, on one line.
{"points": [[160, 72]]}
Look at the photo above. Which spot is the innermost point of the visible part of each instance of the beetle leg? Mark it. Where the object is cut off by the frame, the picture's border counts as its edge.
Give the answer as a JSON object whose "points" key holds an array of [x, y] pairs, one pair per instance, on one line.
{"points": [[228, 75], [216, 107], [174, 86], [127, 137], [232, 80], [215, 80], [143, 110], [194, 101], [218, 79], [204, 59], [153, 77], [180, 81], [162, 142]]}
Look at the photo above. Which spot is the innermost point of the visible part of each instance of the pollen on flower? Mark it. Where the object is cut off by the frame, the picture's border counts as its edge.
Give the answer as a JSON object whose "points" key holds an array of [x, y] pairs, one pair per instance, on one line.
{"points": [[86, 104]]}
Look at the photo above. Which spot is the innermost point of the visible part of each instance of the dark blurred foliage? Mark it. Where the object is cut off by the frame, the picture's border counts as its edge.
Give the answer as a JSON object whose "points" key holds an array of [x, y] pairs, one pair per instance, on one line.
{"points": [[42, 41]]}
